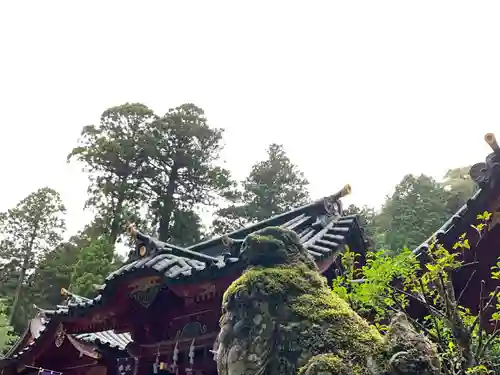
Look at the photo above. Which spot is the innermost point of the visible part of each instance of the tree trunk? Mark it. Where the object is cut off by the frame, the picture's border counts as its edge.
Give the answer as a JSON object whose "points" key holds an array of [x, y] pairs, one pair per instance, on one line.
{"points": [[168, 205], [115, 223], [24, 267]]}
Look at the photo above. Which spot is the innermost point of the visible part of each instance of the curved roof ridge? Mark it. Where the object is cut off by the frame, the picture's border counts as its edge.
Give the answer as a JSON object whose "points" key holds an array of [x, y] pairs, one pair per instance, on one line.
{"points": [[320, 226], [450, 223], [72, 298], [326, 203], [486, 175], [107, 338]]}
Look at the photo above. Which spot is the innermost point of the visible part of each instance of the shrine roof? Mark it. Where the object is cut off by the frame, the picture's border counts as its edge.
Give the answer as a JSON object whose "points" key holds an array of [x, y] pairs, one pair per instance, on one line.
{"points": [[320, 225], [39, 326], [487, 176], [107, 338], [101, 339]]}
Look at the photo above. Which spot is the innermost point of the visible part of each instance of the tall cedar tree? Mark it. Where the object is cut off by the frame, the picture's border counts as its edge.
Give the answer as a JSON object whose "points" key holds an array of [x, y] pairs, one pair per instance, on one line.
{"points": [[7, 335], [55, 269], [52, 274], [28, 231], [413, 212], [9, 276], [114, 155], [182, 172], [460, 186], [68, 264], [419, 206], [274, 186], [94, 263], [394, 226]]}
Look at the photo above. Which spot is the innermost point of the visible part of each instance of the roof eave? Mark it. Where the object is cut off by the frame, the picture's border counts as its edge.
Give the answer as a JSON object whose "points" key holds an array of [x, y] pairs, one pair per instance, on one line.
{"points": [[487, 177]]}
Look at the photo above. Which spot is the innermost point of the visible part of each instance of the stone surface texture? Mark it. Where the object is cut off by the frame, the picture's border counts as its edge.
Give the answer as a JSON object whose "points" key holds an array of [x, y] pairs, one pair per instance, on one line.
{"points": [[281, 318]]}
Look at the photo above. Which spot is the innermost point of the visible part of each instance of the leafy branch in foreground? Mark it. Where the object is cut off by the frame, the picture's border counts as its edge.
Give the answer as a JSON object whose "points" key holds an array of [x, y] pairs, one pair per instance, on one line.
{"points": [[468, 343]]}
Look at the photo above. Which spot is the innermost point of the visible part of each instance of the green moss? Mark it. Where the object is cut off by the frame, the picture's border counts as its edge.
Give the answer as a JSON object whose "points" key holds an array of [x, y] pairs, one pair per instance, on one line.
{"points": [[282, 309], [300, 295], [296, 279], [330, 364], [274, 246]]}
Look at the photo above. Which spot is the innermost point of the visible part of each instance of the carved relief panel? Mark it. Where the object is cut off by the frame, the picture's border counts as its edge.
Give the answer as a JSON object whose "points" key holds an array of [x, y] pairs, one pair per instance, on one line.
{"points": [[145, 290]]}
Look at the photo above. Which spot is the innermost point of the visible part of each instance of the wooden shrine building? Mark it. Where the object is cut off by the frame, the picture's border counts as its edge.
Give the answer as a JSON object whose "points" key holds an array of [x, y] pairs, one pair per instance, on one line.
{"points": [[484, 241], [44, 344], [160, 312]]}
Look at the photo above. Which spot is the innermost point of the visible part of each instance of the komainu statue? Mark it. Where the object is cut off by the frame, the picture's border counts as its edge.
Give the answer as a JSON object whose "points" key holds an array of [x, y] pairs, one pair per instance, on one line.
{"points": [[281, 318]]}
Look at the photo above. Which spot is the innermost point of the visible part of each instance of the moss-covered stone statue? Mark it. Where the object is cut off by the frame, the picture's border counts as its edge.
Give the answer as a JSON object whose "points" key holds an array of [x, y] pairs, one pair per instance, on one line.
{"points": [[280, 318]]}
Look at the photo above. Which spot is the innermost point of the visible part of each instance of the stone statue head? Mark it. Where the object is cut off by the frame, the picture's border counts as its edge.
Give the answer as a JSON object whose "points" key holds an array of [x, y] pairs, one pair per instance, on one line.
{"points": [[274, 246]]}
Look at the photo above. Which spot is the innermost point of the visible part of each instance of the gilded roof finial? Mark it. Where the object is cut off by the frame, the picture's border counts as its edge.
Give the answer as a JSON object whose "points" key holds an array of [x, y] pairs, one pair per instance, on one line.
{"points": [[333, 203], [346, 190], [132, 230], [492, 142]]}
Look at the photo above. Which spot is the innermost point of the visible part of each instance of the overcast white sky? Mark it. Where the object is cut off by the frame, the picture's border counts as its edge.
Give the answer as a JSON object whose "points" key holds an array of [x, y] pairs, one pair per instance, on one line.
{"points": [[359, 92]]}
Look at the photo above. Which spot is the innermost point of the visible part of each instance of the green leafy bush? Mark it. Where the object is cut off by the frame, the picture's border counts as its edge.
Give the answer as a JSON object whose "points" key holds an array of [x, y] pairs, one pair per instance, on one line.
{"points": [[387, 284]]}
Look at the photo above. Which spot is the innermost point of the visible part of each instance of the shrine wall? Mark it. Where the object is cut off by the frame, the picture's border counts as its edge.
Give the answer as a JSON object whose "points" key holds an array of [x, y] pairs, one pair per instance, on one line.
{"points": [[97, 370]]}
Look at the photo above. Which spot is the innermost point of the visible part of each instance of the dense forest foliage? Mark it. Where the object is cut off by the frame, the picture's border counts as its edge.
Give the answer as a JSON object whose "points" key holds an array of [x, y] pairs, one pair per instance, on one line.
{"points": [[161, 171]]}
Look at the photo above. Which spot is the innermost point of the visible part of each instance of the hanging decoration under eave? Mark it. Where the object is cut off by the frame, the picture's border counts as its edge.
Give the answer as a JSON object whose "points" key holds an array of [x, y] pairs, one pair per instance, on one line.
{"points": [[162, 367], [175, 355], [159, 365], [191, 358]]}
